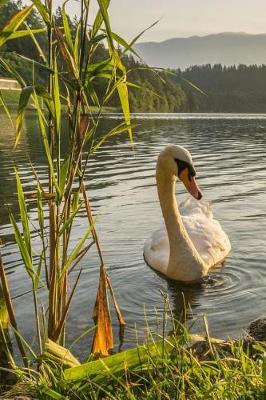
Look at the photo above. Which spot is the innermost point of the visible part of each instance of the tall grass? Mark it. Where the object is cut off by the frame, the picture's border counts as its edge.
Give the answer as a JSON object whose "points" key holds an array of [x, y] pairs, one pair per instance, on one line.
{"points": [[68, 64], [182, 366]]}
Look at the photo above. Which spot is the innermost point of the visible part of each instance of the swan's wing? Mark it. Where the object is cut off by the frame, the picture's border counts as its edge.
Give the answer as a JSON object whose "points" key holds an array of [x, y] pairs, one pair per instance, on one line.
{"points": [[156, 250], [206, 233]]}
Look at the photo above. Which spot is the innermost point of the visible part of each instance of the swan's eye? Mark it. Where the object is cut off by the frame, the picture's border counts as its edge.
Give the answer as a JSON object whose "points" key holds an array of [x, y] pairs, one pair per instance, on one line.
{"points": [[182, 165], [191, 172]]}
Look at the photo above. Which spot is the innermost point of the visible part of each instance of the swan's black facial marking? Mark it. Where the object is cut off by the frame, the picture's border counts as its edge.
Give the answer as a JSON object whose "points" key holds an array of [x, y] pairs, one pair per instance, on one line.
{"points": [[181, 165]]}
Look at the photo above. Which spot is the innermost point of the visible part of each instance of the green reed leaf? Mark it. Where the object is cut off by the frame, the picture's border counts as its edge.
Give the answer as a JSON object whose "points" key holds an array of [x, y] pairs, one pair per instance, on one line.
{"points": [[124, 43], [66, 54], [22, 247], [24, 98], [92, 93], [12, 71], [63, 176], [130, 359], [96, 39], [41, 120], [194, 86], [37, 276], [99, 20], [40, 208], [103, 5], [123, 127], [69, 221], [75, 252], [136, 38], [23, 33], [32, 33], [67, 30], [46, 97], [76, 45], [42, 10], [13, 24], [94, 70], [57, 102], [124, 100], [43, 67], [75, 202], [23, 214]]}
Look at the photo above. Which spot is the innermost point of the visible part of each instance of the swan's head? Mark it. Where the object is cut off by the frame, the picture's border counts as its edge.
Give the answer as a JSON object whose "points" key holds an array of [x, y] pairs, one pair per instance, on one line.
{"points": [[178, 161]]}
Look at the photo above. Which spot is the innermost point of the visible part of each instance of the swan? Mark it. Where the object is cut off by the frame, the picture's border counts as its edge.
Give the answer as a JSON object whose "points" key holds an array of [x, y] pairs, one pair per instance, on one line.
{"points": [[192, 241]]}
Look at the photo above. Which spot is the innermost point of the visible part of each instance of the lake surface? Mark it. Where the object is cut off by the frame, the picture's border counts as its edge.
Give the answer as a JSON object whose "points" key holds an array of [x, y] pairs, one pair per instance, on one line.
{"points": [[229, 152]]}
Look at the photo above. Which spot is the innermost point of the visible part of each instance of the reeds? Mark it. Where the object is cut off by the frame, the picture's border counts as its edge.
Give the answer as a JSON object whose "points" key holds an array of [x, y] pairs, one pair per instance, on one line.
{"points": [[68, 65]]}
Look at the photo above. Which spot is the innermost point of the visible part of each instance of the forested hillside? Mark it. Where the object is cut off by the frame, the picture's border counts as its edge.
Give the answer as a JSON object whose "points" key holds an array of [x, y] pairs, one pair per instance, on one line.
{"points": [[226, 89]]}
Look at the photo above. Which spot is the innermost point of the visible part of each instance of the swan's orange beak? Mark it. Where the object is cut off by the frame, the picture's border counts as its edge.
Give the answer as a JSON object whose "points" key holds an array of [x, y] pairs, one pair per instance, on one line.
{"points": [[190, 184]]}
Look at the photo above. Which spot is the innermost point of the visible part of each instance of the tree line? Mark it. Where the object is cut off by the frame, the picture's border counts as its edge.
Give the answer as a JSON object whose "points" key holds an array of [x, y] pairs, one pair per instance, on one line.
{"points": [[205, 88]]}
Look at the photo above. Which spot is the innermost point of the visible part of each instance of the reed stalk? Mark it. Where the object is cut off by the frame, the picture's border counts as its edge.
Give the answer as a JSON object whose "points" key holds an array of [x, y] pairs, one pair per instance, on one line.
{"points": [[70, 73]]}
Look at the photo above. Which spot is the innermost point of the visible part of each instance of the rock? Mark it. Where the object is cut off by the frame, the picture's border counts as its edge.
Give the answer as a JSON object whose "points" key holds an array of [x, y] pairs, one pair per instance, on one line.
{"points": [[257, 329]]}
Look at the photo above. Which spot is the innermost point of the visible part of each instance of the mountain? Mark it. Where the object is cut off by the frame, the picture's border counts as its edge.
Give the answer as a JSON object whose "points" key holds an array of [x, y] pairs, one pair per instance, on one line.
{"points": [[223, 48]]}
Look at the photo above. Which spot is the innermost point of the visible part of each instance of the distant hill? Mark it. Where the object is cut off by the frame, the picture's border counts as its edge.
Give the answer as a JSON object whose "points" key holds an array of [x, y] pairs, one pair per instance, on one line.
{"points": [[222, 48]]}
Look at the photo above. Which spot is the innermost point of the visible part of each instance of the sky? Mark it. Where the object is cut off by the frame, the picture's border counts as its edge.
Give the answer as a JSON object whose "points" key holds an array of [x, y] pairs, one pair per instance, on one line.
{"points": [[182, 18]]}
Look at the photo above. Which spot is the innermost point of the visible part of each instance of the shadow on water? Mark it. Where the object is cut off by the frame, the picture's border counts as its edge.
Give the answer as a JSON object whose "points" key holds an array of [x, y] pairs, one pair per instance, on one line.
{"points": [[184, 297]]}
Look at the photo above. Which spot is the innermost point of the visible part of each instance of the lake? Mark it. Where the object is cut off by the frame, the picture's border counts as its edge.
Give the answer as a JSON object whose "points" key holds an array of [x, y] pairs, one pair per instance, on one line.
{"points": [[229, 152]]}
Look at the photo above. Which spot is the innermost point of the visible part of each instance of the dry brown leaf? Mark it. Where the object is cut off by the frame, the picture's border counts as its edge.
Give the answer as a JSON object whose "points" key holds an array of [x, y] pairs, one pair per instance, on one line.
{"points": [[103, 337]]}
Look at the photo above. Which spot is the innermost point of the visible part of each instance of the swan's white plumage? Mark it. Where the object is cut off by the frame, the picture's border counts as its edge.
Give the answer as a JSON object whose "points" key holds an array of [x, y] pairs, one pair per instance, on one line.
{"points": [[192, 241], [206, 233]]}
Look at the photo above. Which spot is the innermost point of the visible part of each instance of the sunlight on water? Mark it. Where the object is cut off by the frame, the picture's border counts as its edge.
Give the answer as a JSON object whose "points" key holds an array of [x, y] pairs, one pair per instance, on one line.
{"points": [[229, 153]]}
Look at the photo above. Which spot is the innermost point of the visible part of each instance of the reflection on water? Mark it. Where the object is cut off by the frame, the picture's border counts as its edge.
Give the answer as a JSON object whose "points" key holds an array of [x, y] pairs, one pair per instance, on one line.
{"points": [[229, 154]]}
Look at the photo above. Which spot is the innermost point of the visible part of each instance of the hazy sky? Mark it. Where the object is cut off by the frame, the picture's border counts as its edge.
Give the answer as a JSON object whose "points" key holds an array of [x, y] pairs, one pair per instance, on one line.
{"points": [[183, 17]]}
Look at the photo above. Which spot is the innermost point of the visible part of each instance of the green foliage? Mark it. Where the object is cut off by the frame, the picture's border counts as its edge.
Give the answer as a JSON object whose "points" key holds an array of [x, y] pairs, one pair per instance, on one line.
{"points": [[182, 366], [179, 374], [66, 72], [9, 30], [229, 89], [22, 45]]}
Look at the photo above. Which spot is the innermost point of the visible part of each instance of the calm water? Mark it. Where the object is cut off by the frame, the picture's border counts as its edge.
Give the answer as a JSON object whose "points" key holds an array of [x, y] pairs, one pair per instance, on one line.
{"points": [[229, 153]]}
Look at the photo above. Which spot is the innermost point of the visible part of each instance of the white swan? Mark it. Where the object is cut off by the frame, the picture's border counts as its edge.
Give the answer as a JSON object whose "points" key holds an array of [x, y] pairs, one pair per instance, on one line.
{"points": [[193, 241]]}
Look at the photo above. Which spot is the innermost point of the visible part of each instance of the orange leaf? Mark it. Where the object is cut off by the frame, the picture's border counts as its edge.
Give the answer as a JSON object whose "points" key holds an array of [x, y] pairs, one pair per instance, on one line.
{"points": [[103, 337]]}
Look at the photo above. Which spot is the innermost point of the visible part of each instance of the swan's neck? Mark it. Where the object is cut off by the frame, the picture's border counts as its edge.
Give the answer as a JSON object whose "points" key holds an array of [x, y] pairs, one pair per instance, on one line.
{"points": [[184, 260]]}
